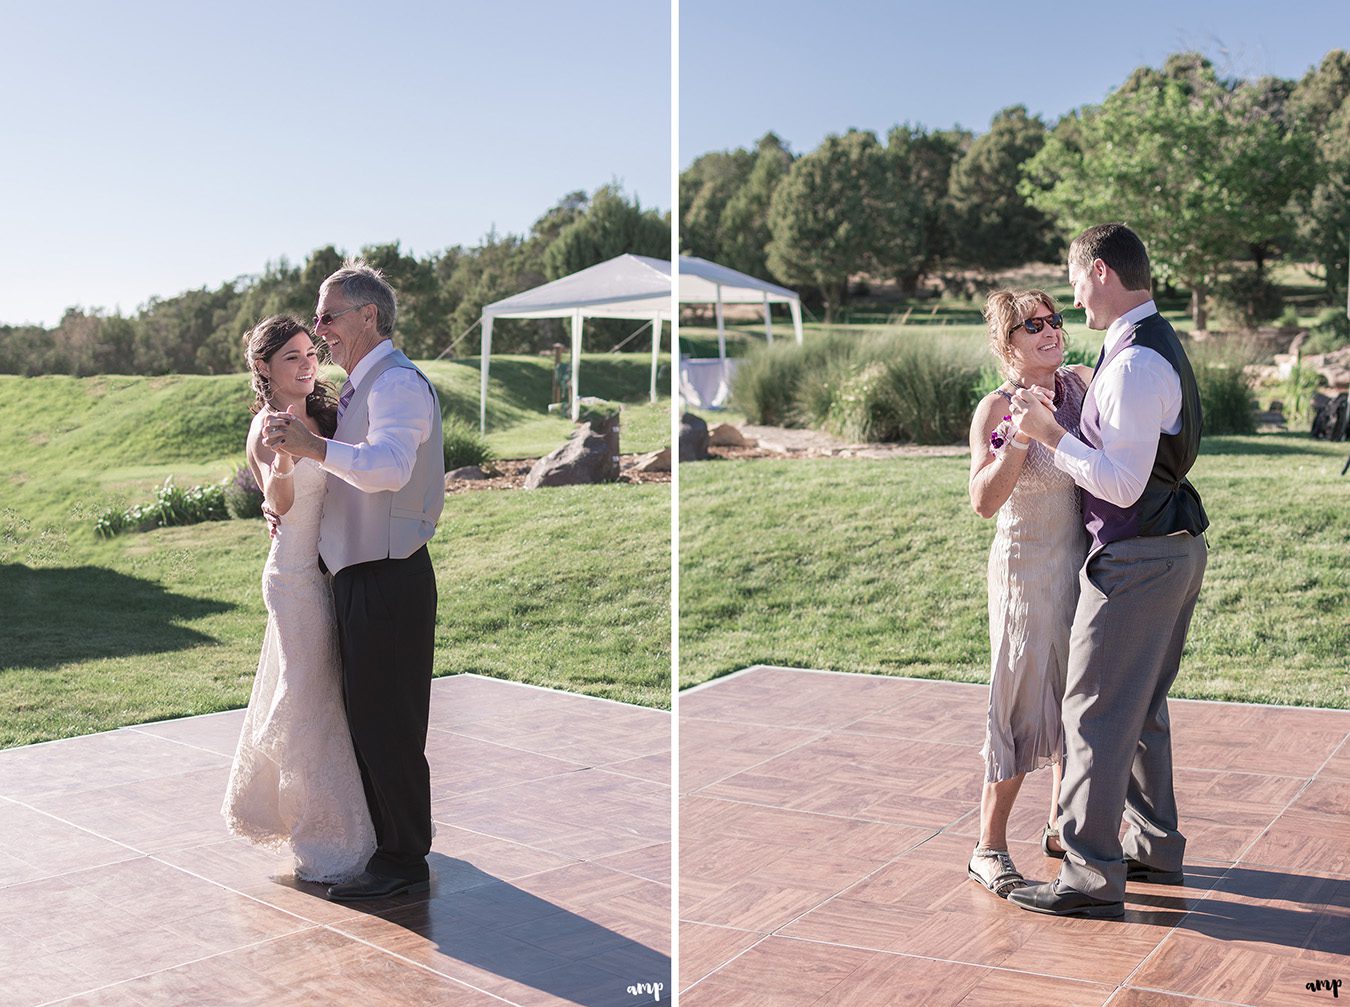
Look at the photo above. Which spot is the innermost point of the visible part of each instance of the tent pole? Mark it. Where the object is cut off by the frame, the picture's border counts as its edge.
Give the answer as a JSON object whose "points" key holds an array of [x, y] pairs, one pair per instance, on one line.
{"points": [[486, 353], [721, 327], [656, 349], [576, 363], [768, 319], [796, 307]]}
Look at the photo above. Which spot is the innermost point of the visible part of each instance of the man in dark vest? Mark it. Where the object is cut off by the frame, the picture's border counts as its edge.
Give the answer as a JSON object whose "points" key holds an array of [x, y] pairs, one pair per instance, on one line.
{"points": [[1138, 437]]}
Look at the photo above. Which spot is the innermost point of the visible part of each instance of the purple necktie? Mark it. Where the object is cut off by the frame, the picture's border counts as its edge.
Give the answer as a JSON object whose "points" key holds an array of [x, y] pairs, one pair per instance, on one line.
{"points": [[344, 400]]}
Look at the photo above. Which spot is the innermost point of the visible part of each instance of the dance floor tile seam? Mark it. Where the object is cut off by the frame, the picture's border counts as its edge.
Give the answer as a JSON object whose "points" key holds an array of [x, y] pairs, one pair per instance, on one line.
{"points": [[403, 959], [120, 909], [826, 815], [1267, 896]]}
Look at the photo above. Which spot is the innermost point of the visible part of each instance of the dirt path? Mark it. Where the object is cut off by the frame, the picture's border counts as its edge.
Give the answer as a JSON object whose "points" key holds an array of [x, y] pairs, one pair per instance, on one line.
{"points": [[781, 442]]}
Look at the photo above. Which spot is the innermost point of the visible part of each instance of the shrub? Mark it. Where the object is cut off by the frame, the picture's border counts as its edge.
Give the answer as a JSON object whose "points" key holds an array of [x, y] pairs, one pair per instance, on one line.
{"points": [[172, 506], [463, 444], [880, 387], [1297, 391], [1225, 389], [768, 383], [1245, 300], [929, 393], [243, 497], [765, 384], [1330, 332]]}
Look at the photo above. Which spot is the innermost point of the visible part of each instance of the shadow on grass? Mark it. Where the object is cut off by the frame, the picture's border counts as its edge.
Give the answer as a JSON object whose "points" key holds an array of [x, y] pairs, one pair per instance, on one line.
{"points": [[1285, 444], [61, 615]]}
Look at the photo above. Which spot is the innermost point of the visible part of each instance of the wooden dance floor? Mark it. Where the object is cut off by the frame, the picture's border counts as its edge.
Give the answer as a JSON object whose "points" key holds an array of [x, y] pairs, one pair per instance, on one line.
{"points": [[826, 821], [550, 869]]}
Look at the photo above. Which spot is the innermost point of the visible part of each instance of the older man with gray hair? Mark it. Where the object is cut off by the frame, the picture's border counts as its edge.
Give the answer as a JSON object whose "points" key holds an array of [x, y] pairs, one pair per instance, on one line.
{"points": [[386, 488]]}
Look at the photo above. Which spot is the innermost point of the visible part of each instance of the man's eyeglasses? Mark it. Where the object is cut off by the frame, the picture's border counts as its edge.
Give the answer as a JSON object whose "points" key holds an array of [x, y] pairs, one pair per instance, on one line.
{"points": [[1034, 325], [327, 317]]}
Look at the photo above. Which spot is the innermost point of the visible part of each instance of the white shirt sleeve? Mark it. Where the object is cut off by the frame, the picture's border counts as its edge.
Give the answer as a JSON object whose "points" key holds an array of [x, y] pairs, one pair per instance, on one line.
{"points": [[401, 409], [1130, 426]]}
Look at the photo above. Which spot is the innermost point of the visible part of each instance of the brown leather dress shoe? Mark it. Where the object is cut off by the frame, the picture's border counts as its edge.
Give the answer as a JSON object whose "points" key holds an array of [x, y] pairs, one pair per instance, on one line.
{"points": [[373, 886]]}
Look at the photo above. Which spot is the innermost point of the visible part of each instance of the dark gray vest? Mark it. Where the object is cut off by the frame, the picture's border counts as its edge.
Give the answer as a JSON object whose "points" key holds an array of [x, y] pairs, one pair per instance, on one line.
{"points": [[1169, 502]]}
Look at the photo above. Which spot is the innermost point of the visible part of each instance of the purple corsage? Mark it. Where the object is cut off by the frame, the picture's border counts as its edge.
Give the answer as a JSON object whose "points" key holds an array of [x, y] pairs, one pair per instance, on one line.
{"points": [[1000, 434]]}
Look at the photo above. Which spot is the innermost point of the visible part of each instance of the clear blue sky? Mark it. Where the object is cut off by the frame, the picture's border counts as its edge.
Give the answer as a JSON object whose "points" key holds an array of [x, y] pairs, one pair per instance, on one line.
{"points": [[804, 68], [150, 147]]}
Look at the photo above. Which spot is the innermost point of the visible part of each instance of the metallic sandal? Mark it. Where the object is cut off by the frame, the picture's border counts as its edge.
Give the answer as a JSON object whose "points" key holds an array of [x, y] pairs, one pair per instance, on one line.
{"points": [[1008, 878], [1047, 834]]}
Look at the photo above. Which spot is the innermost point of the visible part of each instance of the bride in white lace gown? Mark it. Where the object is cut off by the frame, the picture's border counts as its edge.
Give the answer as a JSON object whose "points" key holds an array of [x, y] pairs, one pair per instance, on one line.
{"points": [[294, 783]]}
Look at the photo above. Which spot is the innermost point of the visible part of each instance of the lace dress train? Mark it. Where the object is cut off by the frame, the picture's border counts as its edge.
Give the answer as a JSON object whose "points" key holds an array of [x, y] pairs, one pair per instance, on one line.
{"points": [[294, 783]]}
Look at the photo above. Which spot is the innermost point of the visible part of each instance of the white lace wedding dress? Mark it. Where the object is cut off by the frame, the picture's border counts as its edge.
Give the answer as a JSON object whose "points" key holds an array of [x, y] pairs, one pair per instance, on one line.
{"points": [[294, 783]]}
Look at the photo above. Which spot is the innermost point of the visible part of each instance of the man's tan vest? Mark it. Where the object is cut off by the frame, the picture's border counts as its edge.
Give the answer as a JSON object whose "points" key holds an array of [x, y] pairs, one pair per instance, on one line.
{"points": [[359, 527]]}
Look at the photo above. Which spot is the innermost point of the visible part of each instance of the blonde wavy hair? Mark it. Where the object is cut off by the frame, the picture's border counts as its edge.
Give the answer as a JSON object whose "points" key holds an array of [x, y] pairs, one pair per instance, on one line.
{"points": [[1004, 310]]}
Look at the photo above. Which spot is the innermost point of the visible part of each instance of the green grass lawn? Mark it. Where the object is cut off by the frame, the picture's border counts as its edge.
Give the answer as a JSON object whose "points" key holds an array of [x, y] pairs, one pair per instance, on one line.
{"points": [[568, 588], [879, 566]]}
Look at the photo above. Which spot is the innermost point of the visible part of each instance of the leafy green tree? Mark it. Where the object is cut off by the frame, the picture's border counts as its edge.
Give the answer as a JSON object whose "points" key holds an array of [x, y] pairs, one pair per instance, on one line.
{"points": [[924, 160], [1191, 167], [840, 212], [743, 231], [321, 264], [1321, 104], [610, 226], [421, 328], [993, 225], [706, 187]]}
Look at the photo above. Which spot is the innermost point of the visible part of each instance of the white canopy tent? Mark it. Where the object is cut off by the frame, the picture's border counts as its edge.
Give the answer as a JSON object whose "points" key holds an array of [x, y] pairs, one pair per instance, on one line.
{"points": [[626, 286], [707, 382]]}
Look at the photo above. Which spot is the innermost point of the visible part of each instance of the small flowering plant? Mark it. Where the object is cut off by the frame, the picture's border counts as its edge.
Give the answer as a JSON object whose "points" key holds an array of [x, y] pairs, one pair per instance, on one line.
{"points": [[1001, 434]]}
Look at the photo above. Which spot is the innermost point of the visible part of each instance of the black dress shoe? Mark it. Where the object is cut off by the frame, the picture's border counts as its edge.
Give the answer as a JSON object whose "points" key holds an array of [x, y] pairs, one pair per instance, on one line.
{"points": [[374, 886], [1137, 870], [1055, 901]]}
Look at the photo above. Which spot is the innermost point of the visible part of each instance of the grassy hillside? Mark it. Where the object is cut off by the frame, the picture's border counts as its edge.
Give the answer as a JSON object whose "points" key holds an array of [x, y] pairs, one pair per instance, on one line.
{"points": [[567, 587]]}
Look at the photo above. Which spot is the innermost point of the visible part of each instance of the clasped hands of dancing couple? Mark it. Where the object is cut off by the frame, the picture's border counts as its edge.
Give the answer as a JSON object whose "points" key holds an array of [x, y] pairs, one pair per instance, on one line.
{"points": [[331, 761], [1094, 571]]}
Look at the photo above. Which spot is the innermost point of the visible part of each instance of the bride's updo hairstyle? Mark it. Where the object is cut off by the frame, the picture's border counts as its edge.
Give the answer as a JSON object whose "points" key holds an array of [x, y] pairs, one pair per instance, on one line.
{"points": [[1004, 311], [260, 343]]}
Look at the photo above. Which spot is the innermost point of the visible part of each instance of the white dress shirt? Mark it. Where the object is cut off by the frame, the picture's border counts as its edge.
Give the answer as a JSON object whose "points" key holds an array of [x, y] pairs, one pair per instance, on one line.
{"points": [[401, 411], [1138, 396]]}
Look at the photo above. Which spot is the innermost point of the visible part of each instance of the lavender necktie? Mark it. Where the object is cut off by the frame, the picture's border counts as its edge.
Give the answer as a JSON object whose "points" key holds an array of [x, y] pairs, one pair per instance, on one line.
{"points": [[344, 400]]}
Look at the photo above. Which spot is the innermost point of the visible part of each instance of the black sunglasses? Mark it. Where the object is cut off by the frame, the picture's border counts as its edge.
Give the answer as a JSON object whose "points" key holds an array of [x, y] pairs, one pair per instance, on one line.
{"points": [[1034, 325], [327, 317]]}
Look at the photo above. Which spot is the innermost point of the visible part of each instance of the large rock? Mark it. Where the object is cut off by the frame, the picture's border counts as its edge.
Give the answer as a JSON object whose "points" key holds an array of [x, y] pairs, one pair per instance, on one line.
{"points": [[467, 472], [588, 457], [724, 435], [607, 428], [693, 438], [653, 461]]}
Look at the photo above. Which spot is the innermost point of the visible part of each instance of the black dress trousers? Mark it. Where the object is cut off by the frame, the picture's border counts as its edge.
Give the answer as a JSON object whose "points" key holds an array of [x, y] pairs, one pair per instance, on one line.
{"points": [[386, 616]]}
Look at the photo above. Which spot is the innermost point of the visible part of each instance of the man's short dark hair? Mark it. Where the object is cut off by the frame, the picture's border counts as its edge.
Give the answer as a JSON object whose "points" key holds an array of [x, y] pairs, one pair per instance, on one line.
{"points": [[1117, 246]]}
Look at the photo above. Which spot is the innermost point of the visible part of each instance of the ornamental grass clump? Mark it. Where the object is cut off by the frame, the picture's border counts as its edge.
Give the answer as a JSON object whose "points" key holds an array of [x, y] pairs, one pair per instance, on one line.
{"points": [[892, 387], [172, 505], [768, 383], [1225, 390], [463, 444]]}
